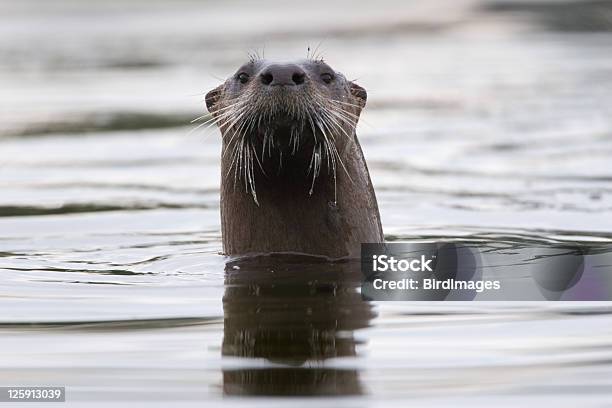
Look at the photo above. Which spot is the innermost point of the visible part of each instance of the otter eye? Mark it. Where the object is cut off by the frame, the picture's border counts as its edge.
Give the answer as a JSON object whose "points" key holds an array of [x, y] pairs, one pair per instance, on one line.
{"points": [[327, 78], [243, 77]]}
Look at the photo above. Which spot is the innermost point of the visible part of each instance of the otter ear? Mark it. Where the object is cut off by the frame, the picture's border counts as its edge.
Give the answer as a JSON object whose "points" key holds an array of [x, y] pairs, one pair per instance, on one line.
{"points": [[212, 98], [359, 93]]}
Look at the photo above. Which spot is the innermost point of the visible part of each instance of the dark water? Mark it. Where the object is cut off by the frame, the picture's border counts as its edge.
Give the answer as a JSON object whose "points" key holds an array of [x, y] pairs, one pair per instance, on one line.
{"points": [[487, 123]]}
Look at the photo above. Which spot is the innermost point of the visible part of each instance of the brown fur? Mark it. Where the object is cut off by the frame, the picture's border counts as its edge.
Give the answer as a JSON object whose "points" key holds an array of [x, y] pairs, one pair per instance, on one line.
{"points": [[283, 208]]}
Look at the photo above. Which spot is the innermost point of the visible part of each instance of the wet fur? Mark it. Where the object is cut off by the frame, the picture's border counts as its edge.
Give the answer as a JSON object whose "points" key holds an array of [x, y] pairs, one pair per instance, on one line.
{"points": [[294, 178]]}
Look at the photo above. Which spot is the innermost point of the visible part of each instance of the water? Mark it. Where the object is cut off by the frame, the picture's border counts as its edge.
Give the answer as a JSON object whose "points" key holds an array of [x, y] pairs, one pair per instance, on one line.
{"points": [[482, 125]]}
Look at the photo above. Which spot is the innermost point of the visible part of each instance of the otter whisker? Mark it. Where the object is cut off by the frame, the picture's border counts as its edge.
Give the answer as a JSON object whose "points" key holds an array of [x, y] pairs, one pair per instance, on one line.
{"points": [[257, 159], [352, 105], [239, 157], [215, 120], [208, 115], [249, 172], [237, 152], [206, 126], [315, 164], [250, 121], [234, 163], [242, 161], [335, 151], [349, 117], [339, 106], [340, 118], [263, 146], [329, 147], [334, 121], [236, 131], [242, 121], [225, 118], [330, 152]]}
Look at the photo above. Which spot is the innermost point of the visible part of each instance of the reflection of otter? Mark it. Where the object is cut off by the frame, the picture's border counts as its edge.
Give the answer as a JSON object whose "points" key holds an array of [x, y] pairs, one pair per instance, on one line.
{"points": [[295, 316], [294, 178]]}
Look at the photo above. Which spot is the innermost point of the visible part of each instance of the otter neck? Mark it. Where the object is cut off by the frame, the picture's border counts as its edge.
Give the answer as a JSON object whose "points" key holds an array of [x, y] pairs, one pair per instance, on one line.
{"points": [[329, 217]]}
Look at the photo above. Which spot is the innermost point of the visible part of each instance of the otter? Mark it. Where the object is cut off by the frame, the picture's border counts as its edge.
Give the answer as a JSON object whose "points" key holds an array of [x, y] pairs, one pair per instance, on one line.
{"points": [[293, 175]]}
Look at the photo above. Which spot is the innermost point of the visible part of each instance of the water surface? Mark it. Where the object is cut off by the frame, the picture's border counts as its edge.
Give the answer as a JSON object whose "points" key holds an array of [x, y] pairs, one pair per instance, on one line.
{"points": [[485, 124]]}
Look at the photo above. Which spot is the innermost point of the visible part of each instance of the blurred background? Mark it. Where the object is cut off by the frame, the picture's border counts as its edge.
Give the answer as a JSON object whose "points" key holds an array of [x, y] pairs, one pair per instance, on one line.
{"points": [[487, 120]]}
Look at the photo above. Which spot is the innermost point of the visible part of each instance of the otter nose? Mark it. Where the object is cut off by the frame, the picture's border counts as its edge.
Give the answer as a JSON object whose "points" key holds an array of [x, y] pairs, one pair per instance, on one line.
{"points": [[289, 74]]}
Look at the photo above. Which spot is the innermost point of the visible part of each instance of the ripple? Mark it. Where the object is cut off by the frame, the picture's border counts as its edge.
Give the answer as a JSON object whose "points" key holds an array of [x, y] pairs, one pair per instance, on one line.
{"points": [[27, 210], [114, 325], [98, 122], [118, 272], [568, 16]]}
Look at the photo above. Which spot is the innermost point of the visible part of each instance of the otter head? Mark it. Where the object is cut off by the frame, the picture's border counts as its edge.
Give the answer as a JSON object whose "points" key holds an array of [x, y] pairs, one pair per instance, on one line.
{"points": [[285, 120]]}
